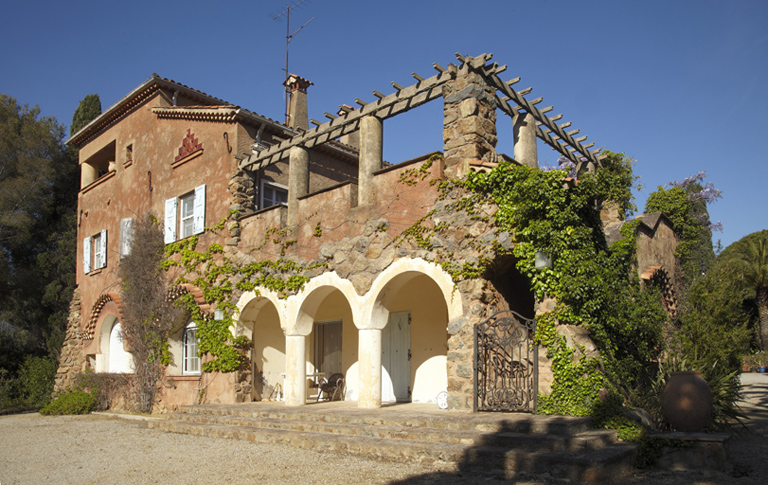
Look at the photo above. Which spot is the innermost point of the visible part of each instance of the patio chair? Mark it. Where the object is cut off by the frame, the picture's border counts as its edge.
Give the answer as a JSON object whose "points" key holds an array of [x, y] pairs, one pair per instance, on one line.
{"points": [[332, 389]]}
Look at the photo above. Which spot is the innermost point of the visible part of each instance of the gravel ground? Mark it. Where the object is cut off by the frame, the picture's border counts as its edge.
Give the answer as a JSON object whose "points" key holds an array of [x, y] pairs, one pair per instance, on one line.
{"points": [[91, 449]]}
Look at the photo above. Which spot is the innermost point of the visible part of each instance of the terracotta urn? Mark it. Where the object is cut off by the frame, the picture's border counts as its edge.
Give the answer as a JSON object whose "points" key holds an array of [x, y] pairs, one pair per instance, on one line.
{"points": [[687, 401]]}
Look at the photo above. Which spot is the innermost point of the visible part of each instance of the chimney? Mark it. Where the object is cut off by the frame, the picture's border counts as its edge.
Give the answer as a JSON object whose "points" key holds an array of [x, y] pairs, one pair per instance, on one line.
{"points": [[297, 116]]}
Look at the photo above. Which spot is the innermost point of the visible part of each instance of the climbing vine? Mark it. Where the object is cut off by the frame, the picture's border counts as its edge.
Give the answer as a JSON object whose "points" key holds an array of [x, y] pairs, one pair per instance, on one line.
{"points": [[593, 284], [218, 277]]}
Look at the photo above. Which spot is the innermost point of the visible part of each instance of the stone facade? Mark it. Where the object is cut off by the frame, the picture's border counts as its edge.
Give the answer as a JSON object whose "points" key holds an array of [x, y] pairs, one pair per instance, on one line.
{"points": [[395, 265], [71, 359]]}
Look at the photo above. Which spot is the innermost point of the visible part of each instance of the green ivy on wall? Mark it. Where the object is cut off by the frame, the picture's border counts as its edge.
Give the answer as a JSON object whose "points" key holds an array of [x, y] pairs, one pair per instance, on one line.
{"points": [[218, 277]]}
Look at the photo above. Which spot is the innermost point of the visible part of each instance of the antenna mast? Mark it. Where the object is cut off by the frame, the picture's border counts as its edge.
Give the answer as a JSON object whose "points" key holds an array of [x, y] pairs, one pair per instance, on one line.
{"points": [[288, 37]]}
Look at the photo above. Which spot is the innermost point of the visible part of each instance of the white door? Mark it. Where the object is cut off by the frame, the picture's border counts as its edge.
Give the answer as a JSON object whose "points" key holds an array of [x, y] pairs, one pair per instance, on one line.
{"points": [[119, 360], [396, 358]]}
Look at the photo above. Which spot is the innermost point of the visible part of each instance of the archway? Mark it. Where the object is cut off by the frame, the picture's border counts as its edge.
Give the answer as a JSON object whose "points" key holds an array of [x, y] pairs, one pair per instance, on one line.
{"points": [[113, 358], [414, 339], [332, 342], [260, 322]]}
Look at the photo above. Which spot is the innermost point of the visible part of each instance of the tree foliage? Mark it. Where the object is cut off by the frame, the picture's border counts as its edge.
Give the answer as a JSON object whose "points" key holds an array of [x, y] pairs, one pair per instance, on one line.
{"points": [[38, 187], [748, 257], [595, 285], [149, 315], [88, 109], [685, 203]]}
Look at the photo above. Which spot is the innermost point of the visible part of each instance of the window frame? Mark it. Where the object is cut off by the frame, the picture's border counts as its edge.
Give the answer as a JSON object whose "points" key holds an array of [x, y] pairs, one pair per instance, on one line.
{"points": [[95, 252], [175, 218], [190, 364], [275, 188]]}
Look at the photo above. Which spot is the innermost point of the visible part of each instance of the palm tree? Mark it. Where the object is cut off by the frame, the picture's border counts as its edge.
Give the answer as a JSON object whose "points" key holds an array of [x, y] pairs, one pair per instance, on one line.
{"points": [[752, 261]]}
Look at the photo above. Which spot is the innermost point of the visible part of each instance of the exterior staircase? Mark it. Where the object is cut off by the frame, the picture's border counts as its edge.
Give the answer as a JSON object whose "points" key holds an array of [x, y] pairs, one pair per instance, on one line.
{"points": [[501, 444]]}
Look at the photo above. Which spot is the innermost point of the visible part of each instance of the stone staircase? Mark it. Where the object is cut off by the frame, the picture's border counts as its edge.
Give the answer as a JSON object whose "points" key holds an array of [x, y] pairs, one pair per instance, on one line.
{"points": [[501, 444]]}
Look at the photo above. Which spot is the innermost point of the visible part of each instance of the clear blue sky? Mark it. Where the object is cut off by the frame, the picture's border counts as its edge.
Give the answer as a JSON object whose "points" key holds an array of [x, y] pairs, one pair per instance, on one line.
{"points": [[680, 86]]}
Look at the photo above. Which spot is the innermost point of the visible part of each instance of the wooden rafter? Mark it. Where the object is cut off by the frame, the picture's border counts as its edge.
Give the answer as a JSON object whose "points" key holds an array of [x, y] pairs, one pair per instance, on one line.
{"points": [[385, 107], [509, 100]]}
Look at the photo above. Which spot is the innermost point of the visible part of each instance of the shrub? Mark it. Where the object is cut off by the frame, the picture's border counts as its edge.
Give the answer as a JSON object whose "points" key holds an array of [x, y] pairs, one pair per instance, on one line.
{"points": [[36, 378], [74, 401]]}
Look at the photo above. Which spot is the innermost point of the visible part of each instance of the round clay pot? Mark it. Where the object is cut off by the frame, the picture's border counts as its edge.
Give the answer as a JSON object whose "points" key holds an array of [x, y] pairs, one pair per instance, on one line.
{"points": [[687, 401]]}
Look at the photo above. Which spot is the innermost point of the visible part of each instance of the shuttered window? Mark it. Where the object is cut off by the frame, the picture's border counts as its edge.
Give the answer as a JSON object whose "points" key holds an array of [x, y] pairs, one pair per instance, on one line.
{"points": [[190, 221]]}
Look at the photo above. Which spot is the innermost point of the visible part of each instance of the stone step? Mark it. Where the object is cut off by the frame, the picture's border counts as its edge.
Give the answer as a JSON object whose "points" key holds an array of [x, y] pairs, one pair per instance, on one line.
{"points": [[585, 440], [608, 462], [486, 422]]}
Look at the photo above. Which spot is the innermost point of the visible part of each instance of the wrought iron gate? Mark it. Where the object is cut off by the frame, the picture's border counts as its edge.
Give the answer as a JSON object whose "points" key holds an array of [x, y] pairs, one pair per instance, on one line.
{"points": [[506, 363]]}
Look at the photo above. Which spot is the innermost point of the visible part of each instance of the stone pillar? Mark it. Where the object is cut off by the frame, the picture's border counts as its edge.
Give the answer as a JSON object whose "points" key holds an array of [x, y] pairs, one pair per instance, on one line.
{"points": [[469, 123], [88, 174], [371, 153], [295, 370], [525, 140], [298, 181], [369, 350]]}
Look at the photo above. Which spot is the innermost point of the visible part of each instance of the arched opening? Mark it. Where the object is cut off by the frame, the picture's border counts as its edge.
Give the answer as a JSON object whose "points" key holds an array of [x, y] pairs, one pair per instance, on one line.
{"points": [[119, 361], [513, 286], [260, 322], [414, 340], [333, 344]]}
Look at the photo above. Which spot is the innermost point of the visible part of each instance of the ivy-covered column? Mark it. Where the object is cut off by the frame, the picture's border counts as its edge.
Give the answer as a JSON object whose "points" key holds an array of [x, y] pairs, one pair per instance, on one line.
{"points": [[469, 119], [369, 347], [295, 370]]}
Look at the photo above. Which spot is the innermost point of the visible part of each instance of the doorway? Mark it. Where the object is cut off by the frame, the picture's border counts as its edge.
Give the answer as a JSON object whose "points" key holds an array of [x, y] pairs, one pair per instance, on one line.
{"points": [[396, 358]]}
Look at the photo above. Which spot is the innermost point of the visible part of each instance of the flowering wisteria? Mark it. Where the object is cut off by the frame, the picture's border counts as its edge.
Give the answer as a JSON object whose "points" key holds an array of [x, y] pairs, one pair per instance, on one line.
{"points": [[706, 192], [563, 163]]}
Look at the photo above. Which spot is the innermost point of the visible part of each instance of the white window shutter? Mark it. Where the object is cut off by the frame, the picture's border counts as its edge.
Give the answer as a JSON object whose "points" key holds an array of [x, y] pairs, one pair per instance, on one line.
{"points": [[170, 220], [126, 236], [103, 249], [87, 255], [198, 220]]}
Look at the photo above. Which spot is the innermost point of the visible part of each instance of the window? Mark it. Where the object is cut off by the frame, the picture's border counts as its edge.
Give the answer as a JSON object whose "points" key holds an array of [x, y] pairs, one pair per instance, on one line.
{"points": [[187, 215], [191, 363], [192, 218], [95, 252], [126, 236], [129, 153], [272, 194]]}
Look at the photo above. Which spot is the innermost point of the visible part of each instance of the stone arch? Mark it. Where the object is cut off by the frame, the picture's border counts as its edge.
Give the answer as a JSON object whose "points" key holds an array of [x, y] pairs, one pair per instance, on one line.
{"points": [[260, 318], [96, 313], [412, 303], [399, 273], [303, 307]]}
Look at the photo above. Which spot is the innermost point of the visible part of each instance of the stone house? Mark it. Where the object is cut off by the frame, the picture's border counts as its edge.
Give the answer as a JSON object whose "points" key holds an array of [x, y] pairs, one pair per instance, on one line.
{"points": [[378, 308]]}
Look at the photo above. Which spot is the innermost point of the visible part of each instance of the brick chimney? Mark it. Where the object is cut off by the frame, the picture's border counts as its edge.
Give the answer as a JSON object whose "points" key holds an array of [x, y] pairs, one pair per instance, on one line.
{"points": [[297, 115]]}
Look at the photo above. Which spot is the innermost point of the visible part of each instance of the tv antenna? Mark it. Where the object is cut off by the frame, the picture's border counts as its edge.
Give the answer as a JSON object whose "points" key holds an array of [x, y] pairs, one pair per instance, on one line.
{"points": [[288, 37]]}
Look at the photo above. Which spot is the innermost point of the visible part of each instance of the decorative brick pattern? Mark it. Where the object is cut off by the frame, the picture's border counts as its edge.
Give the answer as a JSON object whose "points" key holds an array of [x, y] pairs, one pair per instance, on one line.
{"points": [[189, 145]]}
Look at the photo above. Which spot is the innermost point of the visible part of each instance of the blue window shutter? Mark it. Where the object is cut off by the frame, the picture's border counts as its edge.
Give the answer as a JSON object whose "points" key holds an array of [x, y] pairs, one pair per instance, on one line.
{"points": [[170, 220], [198, 219], [87, 255]]}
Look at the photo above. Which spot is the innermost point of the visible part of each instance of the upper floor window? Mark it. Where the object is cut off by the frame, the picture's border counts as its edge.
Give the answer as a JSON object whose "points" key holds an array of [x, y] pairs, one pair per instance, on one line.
{"points": [[191, 217], [95, 252], [273, 194]]}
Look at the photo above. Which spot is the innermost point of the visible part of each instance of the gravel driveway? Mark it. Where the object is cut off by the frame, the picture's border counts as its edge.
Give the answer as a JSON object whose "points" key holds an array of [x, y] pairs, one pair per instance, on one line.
{"points": [[36, 449]]}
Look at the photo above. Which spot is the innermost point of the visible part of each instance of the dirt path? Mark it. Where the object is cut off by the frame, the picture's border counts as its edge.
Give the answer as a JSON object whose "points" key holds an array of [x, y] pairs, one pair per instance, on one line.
{"points": [[92, 449]]}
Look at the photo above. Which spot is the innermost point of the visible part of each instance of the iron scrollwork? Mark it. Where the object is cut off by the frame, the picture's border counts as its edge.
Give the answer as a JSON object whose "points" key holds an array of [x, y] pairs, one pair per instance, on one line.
{"points": [[506, 363]]}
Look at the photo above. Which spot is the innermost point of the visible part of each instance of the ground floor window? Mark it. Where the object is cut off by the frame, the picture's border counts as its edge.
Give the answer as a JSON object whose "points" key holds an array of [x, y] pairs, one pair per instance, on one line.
{"points": [[191, 359]]}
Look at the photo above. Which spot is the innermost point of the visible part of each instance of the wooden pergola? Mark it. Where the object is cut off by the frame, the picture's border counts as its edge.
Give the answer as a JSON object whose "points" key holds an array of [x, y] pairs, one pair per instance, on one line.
{"points": [[508, 100]]}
